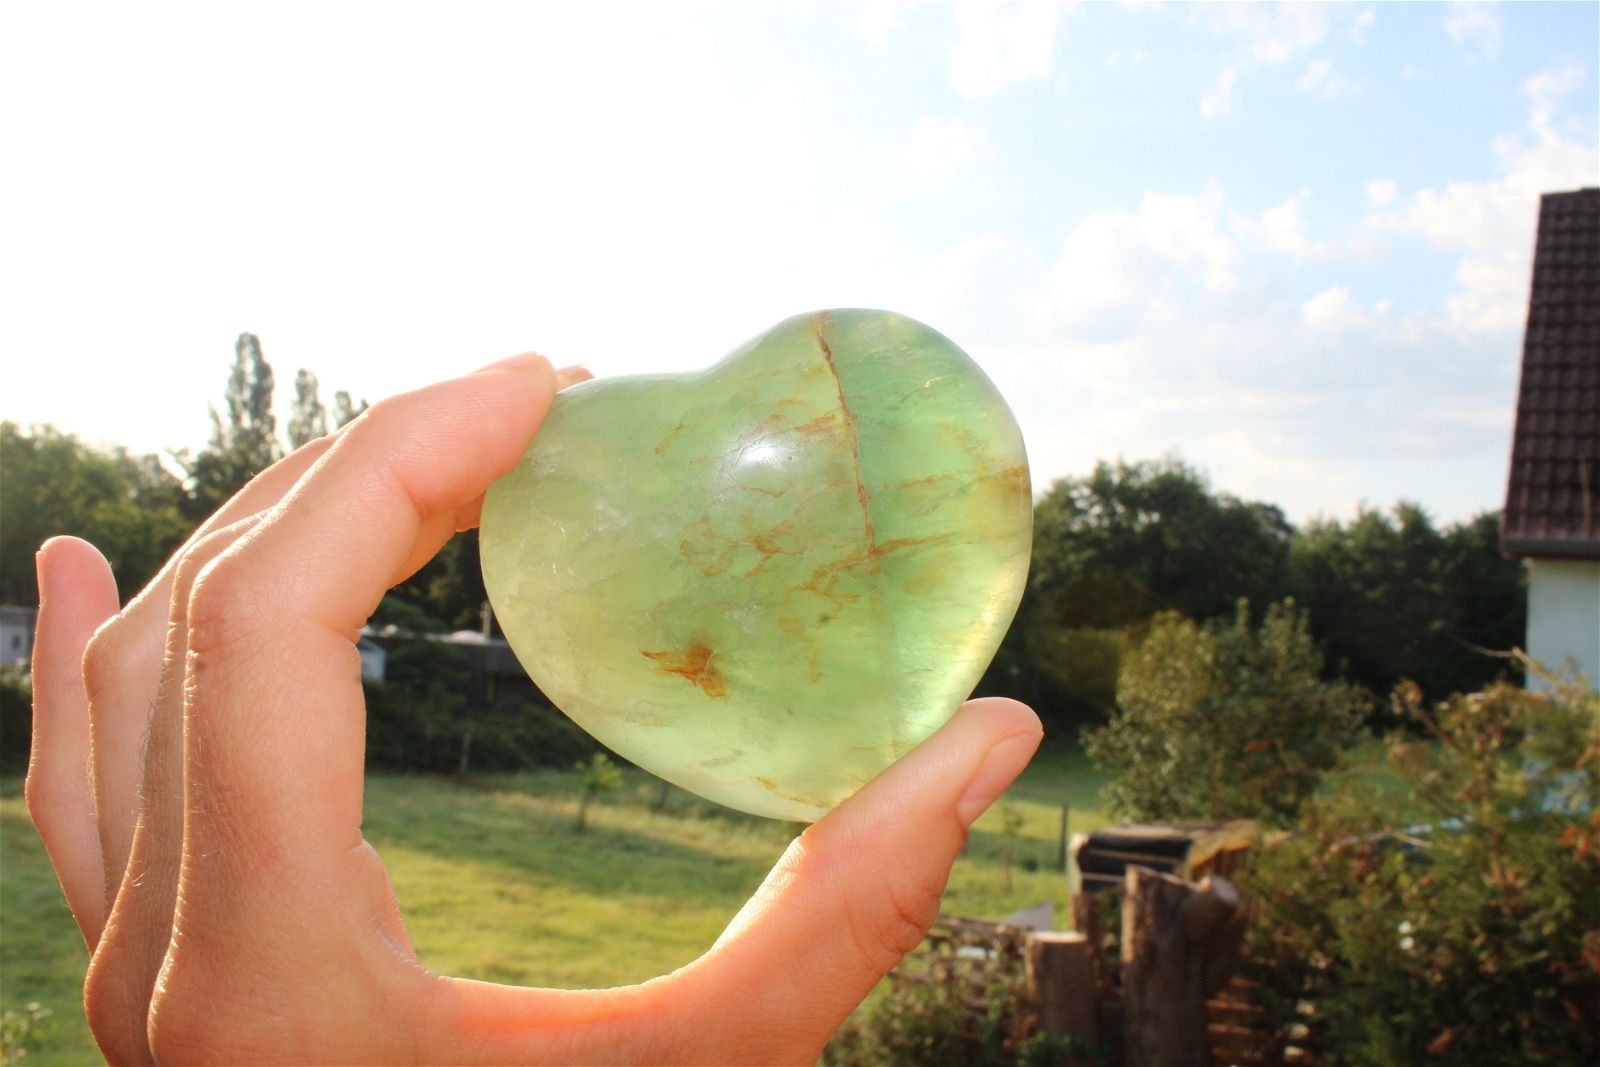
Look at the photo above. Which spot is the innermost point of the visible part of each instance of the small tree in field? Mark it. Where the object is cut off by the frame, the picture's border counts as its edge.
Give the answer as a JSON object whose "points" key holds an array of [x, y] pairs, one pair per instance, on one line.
{"points": [[1222, 720], [598, 775]]}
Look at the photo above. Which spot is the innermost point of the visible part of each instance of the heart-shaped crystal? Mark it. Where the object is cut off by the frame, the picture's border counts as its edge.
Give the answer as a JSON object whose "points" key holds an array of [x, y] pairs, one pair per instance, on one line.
{"points": [[768, 580]]}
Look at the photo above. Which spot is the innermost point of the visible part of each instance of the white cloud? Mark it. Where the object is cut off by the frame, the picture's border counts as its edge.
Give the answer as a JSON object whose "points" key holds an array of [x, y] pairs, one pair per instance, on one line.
{"points": [[1546, 89], [1217, 101], [1001, 44], [1475, 25], [936, 147], [1120, 268], [1382, 191], [1331, 311], [1260, 36], [1319, 79], [1492, 223], [878, 19], [1284, 229]]}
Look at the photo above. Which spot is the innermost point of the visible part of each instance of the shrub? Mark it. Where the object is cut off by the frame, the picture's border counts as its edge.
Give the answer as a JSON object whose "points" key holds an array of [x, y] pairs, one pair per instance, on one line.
{"points": [[946, 1008], [1473, 938], [420, 719], [16, 717], [1219, 720]]}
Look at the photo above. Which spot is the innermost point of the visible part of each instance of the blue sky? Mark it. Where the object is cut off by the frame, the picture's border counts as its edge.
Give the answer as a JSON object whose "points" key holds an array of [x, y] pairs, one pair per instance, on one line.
{"points": [[1290, 243]]}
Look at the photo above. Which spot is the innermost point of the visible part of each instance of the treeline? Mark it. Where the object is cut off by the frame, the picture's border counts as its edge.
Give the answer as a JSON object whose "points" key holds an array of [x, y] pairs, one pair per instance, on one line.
{"points": [[1390, 595]]}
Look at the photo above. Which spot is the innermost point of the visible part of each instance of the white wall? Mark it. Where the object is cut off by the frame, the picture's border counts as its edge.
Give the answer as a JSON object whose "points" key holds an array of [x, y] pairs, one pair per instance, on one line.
{"points": [[1564, 616]]}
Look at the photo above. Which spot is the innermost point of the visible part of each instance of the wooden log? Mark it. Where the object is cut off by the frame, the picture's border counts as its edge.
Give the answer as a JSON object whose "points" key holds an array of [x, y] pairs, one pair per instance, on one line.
{"points": [[1177, 942], [1061, 981]]}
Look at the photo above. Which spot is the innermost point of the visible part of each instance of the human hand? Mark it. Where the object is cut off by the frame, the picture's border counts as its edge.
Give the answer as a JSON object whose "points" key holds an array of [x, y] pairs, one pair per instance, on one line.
{"points": [[197, 776]]}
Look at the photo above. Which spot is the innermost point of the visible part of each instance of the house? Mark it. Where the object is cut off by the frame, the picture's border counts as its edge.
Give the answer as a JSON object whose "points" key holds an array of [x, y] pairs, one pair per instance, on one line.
{"points": [[16, 634], [1552, 513], [373, 658]]}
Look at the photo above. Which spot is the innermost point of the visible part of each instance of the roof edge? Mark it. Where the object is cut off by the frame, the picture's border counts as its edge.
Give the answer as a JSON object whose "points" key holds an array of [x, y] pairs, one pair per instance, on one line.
{"points": [[1551, 547]]}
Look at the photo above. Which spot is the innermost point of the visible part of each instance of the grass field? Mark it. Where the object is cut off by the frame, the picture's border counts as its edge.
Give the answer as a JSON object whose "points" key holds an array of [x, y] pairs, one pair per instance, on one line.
{"points": [[495, 884]]}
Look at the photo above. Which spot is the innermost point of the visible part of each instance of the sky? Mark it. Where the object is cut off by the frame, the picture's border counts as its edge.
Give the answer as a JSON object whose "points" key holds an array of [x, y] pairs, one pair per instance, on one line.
{"points": [[1288, 244]]}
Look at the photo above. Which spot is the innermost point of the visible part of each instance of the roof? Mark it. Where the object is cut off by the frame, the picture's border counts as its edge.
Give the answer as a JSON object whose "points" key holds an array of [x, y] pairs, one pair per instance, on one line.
{"points": [[1553, 492]]}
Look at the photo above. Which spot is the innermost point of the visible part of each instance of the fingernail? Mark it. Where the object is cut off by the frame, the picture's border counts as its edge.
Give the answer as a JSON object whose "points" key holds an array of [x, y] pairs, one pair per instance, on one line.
{"points": [[1000, 768], [524, 361]]}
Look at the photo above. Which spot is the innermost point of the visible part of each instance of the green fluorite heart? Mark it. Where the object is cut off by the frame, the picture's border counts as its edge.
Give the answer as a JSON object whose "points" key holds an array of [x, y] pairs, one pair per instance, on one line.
{"points": [[768, 580]]}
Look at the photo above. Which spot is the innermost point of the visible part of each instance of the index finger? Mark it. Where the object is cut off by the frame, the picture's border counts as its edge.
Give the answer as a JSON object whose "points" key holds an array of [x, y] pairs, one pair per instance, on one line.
{"points": [[275, 723]]}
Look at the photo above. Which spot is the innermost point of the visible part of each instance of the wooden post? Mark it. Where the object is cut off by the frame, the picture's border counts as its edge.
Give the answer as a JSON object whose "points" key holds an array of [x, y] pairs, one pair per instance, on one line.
{"points": [[1177, 940], [1061, 982], [1061, 850]]}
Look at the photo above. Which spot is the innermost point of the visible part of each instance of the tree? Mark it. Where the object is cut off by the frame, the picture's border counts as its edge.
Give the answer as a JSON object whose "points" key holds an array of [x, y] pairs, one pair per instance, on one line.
{"points": [[1132, 539], [251, 429], [243, 445], [1463, 928], [1393, 598], [127, 506], [344, 409], [1114, 548], [308, 419], [1219, 720], [596, 776]]}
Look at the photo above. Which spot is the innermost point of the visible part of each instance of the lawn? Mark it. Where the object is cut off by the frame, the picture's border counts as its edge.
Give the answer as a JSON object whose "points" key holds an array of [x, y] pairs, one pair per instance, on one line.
{"points": [[495, 883]]}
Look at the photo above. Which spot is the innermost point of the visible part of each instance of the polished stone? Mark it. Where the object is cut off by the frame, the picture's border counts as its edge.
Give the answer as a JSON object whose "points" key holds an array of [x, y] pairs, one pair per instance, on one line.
{"points": [[768, 580]]}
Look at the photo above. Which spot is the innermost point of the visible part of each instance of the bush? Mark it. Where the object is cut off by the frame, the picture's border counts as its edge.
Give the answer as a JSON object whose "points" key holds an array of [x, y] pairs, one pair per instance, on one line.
{"points": [[1473, 938], [1218, 720], [947, 1009], [16, 717], [420, 719]]}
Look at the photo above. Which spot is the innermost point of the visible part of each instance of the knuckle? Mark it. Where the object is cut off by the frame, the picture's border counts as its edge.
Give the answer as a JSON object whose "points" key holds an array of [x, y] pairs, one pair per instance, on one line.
{"points": [[116, 1016], [184, 1024], [888, 912], [225, 603], [39, 793], [108, 656]]}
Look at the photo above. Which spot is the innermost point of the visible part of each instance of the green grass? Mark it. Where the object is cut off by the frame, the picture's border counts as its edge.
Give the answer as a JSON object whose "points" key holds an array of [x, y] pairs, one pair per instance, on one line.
{"points": [[495, 884]]}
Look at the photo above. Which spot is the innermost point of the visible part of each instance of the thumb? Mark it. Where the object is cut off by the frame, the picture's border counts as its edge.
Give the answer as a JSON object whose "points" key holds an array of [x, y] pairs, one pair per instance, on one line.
{"points": [[856, 891]]}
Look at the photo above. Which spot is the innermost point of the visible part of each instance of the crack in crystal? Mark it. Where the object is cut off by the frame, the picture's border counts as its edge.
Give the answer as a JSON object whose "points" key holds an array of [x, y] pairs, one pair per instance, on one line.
{"points": [[817, 322]]}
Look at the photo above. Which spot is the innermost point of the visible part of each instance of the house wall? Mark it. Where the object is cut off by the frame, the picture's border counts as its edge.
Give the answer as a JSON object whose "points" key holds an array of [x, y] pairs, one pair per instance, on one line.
{"points": [[16, 634], [1564, 616]]}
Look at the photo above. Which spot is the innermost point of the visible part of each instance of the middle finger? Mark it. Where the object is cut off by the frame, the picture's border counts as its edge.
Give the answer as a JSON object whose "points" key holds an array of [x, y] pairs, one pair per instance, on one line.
{"points": [[123, 972], [122, 671]]}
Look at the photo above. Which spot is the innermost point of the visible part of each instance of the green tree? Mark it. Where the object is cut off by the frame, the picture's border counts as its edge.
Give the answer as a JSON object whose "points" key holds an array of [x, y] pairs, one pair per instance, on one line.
{"points": [[1220, 720], [308, 419], [595, 777], [243, 444], [127, 506], [449, 587], [1128, 540], [345, 409], [1392, 597], [1110, 550], [1470, 939]]}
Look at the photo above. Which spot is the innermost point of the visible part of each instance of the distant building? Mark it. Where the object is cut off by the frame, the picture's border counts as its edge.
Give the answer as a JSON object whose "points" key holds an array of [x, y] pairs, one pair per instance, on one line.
{"points": [[16, 634], [1552, 513], [373, 659]]}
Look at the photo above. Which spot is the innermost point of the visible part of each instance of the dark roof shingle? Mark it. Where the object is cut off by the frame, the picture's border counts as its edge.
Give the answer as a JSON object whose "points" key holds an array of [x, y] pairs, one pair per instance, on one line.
{"points": [[1553, 493]]}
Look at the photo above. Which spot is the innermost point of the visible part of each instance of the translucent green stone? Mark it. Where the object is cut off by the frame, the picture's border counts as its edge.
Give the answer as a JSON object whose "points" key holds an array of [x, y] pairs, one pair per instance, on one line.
{"points": [[768, 580]]}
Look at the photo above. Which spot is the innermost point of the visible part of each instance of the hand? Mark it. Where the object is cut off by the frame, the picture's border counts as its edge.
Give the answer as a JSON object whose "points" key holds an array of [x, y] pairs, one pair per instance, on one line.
{"points": [[197, 779]]}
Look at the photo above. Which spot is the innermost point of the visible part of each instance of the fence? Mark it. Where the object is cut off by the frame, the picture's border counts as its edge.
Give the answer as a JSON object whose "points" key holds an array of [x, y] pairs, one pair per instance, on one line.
{"points": [[1151, 975]]}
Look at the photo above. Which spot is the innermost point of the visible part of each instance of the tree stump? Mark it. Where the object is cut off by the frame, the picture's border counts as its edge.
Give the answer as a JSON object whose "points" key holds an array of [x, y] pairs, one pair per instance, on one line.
{"points": [[1061, 980], [1177, 942]]}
